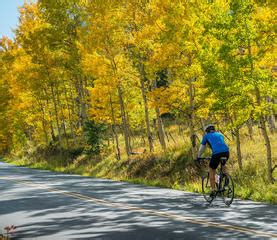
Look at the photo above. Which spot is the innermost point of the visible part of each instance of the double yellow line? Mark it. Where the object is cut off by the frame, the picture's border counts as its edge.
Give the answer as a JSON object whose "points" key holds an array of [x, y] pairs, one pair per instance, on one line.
{"points": [[147, 211]]}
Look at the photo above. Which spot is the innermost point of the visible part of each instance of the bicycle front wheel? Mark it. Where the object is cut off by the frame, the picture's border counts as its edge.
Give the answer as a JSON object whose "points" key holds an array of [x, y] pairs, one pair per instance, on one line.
{"points": [[228, 189], [206, 188]]}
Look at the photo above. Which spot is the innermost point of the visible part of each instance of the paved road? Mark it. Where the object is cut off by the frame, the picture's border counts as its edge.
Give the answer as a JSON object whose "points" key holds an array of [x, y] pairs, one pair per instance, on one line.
{"points": [[47, 205]]}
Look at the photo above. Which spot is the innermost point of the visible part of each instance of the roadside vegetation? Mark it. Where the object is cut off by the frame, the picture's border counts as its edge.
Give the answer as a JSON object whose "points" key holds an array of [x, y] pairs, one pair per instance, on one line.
{"points": [[123, 89], [172, 168]]}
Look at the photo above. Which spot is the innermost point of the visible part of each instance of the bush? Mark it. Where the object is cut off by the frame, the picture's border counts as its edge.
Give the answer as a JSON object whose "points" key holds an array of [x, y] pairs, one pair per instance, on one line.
{"points": [[95, 135]]}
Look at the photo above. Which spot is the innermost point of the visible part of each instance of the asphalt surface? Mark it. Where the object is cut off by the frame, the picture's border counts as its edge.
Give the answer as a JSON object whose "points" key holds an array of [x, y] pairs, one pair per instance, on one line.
{"points": [[48, 205]]}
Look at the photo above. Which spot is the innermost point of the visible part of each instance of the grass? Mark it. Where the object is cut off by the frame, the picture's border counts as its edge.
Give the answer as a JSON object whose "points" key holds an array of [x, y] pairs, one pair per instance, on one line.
{"points": [[173, 168]]}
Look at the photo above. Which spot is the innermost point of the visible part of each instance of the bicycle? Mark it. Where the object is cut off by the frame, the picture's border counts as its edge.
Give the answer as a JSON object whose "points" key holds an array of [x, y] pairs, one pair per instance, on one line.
{"points": [[224, 184]]}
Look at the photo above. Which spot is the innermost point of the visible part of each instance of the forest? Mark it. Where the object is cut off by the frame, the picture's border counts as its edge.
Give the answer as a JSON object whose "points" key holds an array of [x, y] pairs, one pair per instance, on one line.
{"points": [[124, 88]]}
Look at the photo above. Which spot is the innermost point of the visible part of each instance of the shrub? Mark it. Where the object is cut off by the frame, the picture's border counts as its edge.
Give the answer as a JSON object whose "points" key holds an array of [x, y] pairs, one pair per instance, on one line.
{"points": [[94, 135]]}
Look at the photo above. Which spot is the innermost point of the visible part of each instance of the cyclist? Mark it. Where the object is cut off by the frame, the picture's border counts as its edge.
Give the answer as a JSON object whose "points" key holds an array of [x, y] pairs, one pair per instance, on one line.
{"points": [[219, 148]]}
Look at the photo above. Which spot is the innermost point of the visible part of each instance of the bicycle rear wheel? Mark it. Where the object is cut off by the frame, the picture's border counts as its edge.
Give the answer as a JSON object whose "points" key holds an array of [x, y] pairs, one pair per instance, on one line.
{"points": [[206, 188], [228, 192]]}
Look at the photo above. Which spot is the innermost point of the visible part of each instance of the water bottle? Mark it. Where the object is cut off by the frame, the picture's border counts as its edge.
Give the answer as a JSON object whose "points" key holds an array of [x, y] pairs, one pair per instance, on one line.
{"points": [[216, 178]]}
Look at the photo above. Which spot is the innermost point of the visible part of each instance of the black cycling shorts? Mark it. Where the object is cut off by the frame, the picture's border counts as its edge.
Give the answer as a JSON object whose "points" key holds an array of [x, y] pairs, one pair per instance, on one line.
{"points": [[215, 160]]}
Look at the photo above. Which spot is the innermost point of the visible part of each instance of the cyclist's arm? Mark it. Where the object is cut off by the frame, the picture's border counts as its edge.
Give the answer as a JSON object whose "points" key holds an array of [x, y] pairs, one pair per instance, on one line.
{"points": [[201, 150], [202, 146]]}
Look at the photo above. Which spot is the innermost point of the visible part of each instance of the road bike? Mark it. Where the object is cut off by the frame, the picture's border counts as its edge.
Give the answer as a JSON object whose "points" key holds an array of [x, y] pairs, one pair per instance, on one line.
{"points": [[224, 183]]}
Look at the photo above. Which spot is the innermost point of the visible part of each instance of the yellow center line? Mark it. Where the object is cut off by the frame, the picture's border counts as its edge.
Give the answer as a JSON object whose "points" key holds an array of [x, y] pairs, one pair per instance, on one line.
{"points": [[194, 220]]}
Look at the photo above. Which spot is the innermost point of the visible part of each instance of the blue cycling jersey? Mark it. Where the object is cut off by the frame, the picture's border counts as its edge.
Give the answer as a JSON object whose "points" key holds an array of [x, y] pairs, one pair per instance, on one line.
{"points": [[216, 142]]}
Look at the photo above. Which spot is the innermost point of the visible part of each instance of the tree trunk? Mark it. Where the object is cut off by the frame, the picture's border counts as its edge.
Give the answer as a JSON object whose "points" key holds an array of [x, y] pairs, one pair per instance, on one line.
{"points": [[51, 116], [237, 134], [63, 120], [45, 131], [271, 117], [44, 122], [118, 155], [124, 121], [74, 108], [262, 121], [191, 120], [160, 125], [167, 138], [52, 132], [69, 113], [160, 129], [202, 125], [249, 125], [268, 149], [130, 135], [114, 130], [147, 122], [271, 123], [81, 100], [56, 115]]}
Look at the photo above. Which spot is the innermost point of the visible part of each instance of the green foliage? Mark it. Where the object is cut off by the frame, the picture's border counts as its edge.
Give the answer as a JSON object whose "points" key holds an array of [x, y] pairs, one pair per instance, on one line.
{"points": [[79, 67], [171, 169], [94, 135]]}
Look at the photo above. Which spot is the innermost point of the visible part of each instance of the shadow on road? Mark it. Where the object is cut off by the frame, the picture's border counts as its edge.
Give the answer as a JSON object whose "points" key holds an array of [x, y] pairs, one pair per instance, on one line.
{"points": [[39, 213]]}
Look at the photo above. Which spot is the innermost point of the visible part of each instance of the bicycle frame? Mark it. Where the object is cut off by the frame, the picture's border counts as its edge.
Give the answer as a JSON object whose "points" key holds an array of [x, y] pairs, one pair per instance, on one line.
{"points": [[220, 185]]}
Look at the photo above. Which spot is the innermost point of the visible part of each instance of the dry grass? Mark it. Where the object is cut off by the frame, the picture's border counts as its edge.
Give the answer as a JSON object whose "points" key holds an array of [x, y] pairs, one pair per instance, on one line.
{"points": [[174, 168]]}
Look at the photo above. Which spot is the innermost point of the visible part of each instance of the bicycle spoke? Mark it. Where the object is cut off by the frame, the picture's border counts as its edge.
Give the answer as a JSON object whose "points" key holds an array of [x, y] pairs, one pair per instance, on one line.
{"points": [[228, 190], [206, 189]]}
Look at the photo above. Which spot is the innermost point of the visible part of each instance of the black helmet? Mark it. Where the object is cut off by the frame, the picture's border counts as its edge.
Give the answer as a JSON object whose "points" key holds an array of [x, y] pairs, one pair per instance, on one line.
{"points": [[209, 128]]}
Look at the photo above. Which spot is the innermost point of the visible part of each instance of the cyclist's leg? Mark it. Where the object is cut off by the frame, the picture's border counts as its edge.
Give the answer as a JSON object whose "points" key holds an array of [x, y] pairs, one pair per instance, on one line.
{"points": [[213, 166], [212, 178], [224, 168]]}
